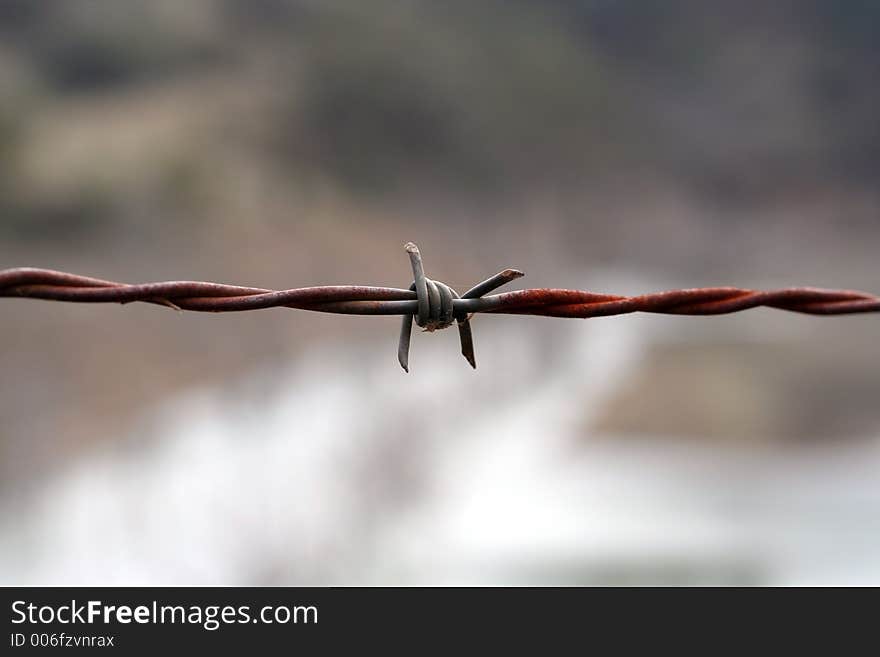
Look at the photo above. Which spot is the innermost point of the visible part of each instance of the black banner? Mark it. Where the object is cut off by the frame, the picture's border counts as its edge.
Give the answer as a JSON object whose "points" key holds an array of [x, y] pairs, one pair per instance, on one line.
{"points": [[147, 620], [245, 618]]}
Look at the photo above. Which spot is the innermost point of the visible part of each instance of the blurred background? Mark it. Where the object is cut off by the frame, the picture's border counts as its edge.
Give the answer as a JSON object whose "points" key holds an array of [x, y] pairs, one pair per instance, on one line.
{"points": [[618, 146]]}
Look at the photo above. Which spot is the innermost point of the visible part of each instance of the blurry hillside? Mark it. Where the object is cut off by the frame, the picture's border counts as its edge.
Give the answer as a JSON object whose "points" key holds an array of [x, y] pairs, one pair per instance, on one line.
{"points": [[291, 142], [126, 121]]}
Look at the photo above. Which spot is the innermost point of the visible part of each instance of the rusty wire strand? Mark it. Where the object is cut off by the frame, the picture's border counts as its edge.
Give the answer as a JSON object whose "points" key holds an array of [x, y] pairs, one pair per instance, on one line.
{"points": [[431, 304]]}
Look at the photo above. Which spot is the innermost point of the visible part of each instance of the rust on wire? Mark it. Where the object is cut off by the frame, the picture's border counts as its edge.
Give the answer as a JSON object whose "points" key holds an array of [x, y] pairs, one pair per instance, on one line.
{"points": [[430, 304]]}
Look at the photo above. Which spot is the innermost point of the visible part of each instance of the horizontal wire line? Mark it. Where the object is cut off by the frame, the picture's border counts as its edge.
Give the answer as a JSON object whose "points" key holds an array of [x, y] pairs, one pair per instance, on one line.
{"points": [[201, 296]]}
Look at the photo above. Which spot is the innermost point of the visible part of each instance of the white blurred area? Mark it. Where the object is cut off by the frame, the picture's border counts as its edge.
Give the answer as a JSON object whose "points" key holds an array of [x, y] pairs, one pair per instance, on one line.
{"points": [[340, 469]]}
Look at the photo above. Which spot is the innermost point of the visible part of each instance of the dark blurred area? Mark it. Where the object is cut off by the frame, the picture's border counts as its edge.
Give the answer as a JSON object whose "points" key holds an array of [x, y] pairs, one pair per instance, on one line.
{"points": [[121, 116], [616, 145]]}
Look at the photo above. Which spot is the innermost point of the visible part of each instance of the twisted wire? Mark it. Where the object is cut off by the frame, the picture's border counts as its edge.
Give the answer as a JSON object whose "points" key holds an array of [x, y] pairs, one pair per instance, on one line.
{"points": [[27, 282], [430, 304]]}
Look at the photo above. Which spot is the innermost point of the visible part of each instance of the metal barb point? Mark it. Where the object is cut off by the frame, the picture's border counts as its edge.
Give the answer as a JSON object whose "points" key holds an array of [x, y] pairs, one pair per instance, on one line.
{"points": [[436, 307]]}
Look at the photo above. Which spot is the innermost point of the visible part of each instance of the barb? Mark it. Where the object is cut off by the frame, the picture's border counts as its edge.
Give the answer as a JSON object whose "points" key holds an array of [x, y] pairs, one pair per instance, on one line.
{"points": [[431, 304]]}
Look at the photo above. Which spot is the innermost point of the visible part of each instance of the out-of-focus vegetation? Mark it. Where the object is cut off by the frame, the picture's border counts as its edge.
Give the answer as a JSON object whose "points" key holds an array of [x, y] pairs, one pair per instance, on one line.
{"points": [[115, 112]]}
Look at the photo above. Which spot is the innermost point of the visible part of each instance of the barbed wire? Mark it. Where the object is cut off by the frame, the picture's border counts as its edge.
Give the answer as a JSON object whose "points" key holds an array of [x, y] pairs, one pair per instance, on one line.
{"points": [[431, 304]]}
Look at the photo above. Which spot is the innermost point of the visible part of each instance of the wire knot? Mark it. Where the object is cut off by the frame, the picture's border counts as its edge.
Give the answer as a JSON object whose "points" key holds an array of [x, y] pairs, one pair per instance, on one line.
{"points": [[435, 300], [436, 307]]}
